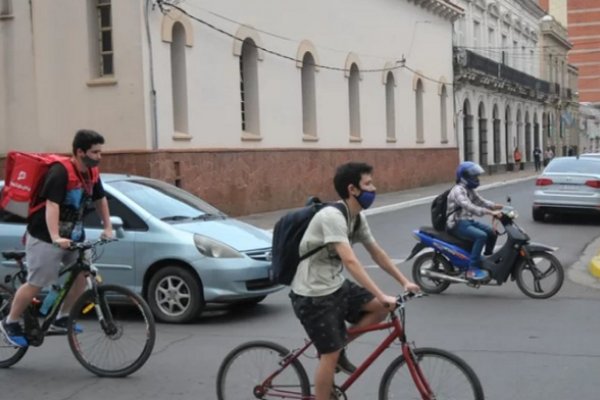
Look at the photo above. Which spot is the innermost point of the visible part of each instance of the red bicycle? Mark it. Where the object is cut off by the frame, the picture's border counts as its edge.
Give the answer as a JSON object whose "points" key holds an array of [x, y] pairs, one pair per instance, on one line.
{"points": [[266, 370]]}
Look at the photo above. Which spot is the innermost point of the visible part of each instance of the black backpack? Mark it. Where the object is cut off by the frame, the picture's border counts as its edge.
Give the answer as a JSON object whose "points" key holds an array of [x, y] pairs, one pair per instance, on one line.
{"points": [[288, 233], [439, 208]]}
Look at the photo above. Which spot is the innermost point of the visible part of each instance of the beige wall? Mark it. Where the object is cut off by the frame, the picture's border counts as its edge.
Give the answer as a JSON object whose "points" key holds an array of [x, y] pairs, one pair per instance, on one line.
{"points": [[48, 92], [49, 79], [377, 32]]}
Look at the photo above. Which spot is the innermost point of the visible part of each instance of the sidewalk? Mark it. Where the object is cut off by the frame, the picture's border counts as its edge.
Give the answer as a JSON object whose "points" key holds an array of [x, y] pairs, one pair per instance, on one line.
{"points": [[586, 271], [391, 201]]}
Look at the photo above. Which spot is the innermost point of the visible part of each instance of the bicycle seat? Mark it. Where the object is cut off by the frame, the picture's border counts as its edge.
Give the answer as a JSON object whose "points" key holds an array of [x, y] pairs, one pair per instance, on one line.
{"points": [[14, 255], [446, 237]]}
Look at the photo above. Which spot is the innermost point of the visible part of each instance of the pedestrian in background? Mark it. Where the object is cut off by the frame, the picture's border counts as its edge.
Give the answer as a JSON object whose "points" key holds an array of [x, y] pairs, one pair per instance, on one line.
{"points": [[548, 155], [537, 157], [517, 158]]}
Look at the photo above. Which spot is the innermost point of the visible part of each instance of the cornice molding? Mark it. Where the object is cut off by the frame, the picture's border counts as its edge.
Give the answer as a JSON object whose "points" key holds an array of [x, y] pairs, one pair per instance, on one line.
{"points": [[443, 8]]}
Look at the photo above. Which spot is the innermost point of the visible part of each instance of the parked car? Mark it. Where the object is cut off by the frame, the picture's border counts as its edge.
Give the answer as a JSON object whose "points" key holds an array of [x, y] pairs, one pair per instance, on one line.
{"points": [[568, 184], [591, 155], [178, 251]]}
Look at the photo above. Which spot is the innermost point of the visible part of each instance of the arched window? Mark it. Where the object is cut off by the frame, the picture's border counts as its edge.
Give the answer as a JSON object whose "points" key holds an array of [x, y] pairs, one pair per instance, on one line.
{"points": [[483, 137], [354, 101], [444, 114], [249, 87], [309, 102], [179, 80], [390, 106], [467, 131], [419, 111]]}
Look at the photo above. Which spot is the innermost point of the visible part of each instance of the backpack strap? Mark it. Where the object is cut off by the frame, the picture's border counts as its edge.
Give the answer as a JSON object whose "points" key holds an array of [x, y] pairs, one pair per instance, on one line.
{"points": [[456, 207], [344, 210]]}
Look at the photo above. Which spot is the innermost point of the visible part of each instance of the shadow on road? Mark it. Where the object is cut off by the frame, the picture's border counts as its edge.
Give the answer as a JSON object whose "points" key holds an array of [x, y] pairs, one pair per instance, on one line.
{"points": [[572, 219]]}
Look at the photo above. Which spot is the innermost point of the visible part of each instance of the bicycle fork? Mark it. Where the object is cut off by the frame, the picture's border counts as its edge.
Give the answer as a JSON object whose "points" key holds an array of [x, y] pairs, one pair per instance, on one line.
{"points": [[100, 307], [415, 371]]}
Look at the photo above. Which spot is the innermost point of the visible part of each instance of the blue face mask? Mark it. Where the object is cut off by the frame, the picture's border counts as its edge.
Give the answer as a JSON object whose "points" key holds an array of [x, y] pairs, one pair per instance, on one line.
{"points": [[365, 199]]}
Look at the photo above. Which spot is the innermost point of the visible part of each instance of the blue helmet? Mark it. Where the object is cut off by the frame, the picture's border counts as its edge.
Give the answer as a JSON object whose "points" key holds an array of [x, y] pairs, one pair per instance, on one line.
{"points": [[468, 172]]}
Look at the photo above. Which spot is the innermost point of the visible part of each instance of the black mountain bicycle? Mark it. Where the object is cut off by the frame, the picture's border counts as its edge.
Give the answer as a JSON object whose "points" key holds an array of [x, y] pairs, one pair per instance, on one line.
{"points": [[109, 341]]}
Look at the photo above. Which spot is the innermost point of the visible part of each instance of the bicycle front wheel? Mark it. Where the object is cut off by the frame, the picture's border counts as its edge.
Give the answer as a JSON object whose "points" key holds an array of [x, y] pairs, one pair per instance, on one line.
{"points": [[9, 354], [112, 334], [447, 375], [244, 372]]}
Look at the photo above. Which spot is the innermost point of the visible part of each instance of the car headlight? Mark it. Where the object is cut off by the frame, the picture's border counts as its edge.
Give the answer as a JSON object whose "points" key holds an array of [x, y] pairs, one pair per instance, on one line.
{"points": [[214, 249]]}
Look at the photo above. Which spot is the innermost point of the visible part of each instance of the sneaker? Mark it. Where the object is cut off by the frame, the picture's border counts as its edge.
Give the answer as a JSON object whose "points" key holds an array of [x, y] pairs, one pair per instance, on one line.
{"points": [[13, 334], [477, 274], [61, 326], [344, 365]]}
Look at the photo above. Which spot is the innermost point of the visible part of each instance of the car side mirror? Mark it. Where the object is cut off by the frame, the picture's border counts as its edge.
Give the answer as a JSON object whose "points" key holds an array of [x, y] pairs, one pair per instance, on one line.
{"points": [[117, 224]]}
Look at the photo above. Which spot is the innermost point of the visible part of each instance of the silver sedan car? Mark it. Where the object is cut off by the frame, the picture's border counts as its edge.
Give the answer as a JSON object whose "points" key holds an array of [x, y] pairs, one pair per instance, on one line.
{"points": [[176, 250], [568, 184]]}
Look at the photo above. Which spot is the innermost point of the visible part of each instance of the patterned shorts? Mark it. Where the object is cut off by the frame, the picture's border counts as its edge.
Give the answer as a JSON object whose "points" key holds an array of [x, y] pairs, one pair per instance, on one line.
{"points": [[323, 316]]}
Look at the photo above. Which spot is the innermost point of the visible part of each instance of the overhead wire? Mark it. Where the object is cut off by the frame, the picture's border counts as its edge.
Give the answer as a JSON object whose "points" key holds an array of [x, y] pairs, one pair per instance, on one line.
{"points": [[398, 63]]}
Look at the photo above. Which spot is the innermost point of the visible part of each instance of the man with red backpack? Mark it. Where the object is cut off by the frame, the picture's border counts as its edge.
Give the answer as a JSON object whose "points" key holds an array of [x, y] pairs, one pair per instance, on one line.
{"points": [[69, 187]]}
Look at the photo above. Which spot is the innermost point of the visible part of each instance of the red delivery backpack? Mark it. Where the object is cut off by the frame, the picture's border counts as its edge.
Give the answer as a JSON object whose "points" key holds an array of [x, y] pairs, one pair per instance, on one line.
{"points": [[24, 176]]}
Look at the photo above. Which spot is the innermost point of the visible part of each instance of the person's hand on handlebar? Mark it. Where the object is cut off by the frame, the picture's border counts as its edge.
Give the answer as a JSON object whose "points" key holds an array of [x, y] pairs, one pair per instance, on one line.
{"points": [[106, 234], [63, 243], [388, 302], [412, 287], [495, 213]]}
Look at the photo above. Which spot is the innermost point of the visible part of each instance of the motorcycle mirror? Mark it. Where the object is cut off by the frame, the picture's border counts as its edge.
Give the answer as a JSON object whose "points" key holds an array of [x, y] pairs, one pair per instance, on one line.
{"points": [[508, 200]]}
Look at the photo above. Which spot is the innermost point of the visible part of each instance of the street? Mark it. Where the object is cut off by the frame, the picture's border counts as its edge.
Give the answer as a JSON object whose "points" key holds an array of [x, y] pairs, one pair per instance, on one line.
{"points": [[520, 348]]}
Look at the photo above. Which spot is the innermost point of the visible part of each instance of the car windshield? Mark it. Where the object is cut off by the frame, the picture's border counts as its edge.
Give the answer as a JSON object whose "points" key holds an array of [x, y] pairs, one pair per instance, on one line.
{"points": [[574, 165], [165, 201]]}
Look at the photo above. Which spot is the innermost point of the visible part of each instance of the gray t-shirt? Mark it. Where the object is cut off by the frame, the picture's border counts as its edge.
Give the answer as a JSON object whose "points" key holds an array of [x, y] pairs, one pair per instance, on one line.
{"points": [[321, 273]]}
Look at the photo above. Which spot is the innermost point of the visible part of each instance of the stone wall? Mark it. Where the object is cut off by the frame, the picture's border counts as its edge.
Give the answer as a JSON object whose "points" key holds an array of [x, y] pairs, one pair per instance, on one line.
{"points": [[242, 182]]}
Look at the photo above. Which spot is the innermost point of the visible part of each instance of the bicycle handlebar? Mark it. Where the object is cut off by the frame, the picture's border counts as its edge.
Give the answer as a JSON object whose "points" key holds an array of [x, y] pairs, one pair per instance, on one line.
{"points": [[401, 299], [87, 245]]}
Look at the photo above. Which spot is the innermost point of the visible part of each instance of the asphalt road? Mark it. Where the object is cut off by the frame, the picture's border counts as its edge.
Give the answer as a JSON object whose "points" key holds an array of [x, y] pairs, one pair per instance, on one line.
{"points": [[520, 348]]}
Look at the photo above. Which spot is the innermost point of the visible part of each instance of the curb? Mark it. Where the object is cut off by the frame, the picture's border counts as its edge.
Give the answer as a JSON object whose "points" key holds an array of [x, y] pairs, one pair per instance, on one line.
{"points": [[594, 266], [581, 272]]}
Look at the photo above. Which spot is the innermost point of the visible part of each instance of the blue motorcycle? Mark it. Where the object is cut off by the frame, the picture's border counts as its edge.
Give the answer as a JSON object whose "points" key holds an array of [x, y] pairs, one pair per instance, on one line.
{"points": [[537, 272]]}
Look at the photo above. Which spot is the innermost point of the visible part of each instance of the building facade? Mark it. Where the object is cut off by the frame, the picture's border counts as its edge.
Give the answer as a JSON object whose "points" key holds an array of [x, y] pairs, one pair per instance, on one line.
{"points": [[581, 18], [229, 99], [506, 97]]}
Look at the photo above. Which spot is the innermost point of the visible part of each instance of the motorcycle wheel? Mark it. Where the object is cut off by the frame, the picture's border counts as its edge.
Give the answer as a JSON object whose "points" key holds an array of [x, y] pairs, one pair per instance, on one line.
{"points": [[429, 261], [543, 267]]}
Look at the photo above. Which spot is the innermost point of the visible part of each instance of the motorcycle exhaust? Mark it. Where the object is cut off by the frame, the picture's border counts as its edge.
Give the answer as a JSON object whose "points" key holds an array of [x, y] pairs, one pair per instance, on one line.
{"points": [[438, 275]]}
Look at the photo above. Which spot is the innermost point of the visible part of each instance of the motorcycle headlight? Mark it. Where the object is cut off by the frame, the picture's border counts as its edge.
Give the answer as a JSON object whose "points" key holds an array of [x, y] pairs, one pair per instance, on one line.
{"points": [[215, 249]]}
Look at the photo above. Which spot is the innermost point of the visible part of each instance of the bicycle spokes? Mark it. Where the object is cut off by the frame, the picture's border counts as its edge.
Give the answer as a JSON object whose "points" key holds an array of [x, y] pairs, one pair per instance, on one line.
{"points": [[114, 340]]}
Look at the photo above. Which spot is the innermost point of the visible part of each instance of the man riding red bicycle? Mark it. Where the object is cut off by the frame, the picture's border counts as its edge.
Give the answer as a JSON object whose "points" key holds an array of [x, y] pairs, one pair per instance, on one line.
{"points": [[323, 299]]}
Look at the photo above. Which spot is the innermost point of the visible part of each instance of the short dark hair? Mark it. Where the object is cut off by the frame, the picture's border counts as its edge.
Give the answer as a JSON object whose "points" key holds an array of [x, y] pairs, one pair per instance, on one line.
{"points": [[349, 173], [85, 138]]}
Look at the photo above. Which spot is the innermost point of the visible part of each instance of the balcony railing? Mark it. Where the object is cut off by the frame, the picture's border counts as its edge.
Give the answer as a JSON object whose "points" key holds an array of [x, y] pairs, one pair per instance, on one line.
{"points": [[502, 71]]}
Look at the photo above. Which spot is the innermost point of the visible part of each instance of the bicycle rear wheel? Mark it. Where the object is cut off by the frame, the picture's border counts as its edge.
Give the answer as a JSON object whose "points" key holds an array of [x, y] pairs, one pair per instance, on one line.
{"points": [[120, 342], [9, 354], [244, 370], [448, 376]]}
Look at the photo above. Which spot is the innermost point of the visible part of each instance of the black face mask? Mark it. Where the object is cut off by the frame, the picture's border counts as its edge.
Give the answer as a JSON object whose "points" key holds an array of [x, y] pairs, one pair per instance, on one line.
{"points": [[90, 162]]}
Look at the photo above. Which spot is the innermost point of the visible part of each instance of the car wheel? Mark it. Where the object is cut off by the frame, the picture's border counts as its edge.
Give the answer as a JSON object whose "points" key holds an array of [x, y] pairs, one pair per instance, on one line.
{"points": [[537, 214], [175, 295]]}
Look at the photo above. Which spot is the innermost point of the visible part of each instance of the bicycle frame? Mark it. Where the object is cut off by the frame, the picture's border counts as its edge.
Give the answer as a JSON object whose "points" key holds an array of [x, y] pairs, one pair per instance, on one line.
{"points": [[33, 329], [396, 333]]}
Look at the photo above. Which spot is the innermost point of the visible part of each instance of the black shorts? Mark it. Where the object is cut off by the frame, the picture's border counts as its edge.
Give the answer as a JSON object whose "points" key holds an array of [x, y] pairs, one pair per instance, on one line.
{"points": [[323, 316]]}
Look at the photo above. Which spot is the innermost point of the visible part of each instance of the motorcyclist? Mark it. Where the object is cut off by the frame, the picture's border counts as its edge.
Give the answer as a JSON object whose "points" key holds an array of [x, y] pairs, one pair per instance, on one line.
{"points": [[463, 204]]}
